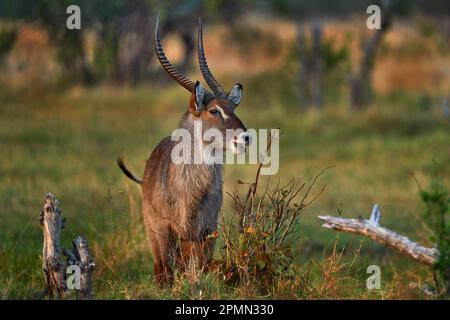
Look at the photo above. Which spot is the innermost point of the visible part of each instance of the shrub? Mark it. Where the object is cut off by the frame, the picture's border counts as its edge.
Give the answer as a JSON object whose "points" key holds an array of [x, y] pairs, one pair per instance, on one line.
{"points": [[257, 251], [436, 215]]}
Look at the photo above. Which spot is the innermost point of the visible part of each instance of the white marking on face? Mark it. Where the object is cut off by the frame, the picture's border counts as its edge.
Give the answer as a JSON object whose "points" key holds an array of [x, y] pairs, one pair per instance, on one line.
{"points": [[224, 116], [237, 147]]}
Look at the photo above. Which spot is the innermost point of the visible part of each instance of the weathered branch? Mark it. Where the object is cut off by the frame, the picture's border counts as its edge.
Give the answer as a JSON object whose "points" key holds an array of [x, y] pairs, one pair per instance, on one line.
{"points": [[86, 264], [384, 236], [53, 264]]}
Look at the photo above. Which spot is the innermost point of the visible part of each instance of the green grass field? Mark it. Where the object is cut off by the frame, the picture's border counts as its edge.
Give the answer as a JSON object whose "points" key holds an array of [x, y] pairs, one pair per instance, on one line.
{"points": [[67, 143]]}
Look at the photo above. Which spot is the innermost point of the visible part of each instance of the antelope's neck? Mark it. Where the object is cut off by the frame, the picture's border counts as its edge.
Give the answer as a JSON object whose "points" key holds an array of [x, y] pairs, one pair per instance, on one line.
{"points": [[195, 133], [198, 175]]}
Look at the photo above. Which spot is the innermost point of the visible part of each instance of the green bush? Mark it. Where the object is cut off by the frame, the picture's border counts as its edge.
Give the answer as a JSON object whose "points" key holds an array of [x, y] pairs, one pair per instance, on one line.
{"points": [[257, 253], [436, 199]]}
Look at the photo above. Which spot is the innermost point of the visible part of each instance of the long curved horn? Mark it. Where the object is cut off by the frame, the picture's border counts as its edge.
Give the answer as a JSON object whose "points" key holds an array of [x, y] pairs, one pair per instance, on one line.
{"points": [[212, 82], [170, 69]]}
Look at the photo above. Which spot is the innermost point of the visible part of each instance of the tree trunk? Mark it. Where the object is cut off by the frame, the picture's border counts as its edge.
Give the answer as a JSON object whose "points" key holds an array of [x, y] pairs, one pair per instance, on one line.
{"points": [[317, 65], [303, 70], [360, 84], [134, 38], [310, 67]]}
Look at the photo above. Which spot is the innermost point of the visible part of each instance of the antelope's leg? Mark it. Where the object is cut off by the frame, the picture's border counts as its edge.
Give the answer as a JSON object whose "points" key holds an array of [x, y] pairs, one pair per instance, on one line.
{"points": [[208, 249], [162, 246], [198, 251]]}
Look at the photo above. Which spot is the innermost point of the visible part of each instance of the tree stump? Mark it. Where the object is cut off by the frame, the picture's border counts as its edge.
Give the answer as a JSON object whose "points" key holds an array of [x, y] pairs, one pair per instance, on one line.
{"points": [[61, 265]]}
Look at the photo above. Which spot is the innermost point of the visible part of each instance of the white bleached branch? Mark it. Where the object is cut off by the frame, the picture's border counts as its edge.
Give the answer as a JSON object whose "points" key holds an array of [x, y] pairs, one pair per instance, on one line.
{"points": [[372, 229]]}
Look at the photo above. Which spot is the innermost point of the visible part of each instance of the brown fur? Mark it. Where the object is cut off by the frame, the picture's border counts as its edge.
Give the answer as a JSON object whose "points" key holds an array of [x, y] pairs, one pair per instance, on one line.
{"points": [[182, 202]]}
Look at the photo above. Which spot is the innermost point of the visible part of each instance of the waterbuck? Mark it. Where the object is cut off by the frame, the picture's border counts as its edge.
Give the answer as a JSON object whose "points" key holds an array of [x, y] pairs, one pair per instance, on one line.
{"points": [[181, 202]]}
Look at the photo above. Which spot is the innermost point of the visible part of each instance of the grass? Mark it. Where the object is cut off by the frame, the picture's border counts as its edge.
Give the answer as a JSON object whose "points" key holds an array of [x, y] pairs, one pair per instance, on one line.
{"points": [[67, 143]]}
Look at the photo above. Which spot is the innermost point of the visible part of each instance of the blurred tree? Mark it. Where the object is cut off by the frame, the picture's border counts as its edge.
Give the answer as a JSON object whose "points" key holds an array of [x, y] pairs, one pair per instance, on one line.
{"points": [[321, 65], [133, 33], [8, 34], [360, 82], [52, 16], [123, 28], [123, 32], [182, 17], [310, 66]]}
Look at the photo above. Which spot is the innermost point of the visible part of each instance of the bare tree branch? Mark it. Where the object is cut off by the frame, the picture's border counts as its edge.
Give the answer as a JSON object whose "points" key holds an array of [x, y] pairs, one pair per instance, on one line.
{"points": [[384, 236]]}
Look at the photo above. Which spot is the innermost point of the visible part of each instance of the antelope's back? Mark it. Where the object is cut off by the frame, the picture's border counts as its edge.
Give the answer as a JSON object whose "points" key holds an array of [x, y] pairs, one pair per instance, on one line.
{"points": [[155, 186]]}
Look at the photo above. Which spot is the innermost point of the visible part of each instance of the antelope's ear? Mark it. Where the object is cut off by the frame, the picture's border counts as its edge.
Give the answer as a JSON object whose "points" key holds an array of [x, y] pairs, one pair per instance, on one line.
{"points": [[196, 105], [235, 94]]}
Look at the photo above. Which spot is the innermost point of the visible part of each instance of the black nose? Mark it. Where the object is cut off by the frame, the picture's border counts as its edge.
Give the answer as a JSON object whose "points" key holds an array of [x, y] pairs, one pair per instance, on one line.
{"points": [[247, 140]]}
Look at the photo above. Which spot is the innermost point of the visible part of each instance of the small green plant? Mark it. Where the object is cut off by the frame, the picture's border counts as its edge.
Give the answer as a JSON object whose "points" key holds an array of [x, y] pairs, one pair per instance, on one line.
{"points": [[436, 215]]}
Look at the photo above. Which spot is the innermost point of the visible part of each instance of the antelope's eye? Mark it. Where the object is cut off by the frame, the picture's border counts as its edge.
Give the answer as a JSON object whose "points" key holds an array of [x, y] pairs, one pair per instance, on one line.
{"points": [[214, 111]]}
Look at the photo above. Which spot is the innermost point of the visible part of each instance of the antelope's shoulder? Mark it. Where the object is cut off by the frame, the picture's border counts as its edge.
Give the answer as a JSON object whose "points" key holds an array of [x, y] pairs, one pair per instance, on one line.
{"points": [[159, 159], [162, 150]]}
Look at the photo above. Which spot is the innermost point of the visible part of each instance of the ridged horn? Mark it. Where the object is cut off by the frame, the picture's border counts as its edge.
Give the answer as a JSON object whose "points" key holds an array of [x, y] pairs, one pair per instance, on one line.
{"points": [[170, 69], [210, 80]]}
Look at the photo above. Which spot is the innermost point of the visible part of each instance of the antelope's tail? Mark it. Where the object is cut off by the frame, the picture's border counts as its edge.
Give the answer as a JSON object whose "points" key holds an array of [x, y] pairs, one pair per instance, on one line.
{"points": [[127, 172]]}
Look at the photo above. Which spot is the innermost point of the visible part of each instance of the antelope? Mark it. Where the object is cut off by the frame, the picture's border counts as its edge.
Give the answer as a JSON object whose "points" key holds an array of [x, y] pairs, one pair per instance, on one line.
{"points": [[181, 202]]}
